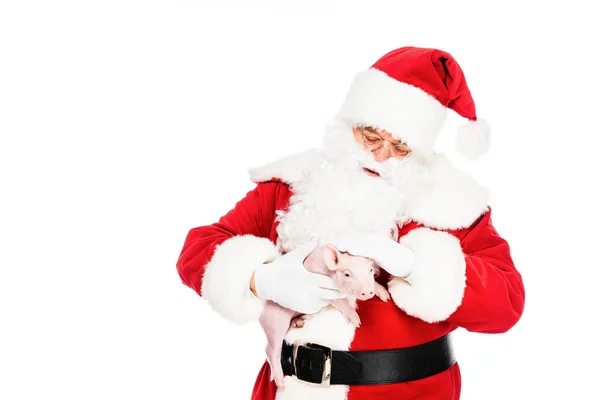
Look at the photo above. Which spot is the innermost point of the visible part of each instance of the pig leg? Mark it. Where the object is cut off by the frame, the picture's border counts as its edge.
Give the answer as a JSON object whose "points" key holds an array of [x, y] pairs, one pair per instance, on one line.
{"points": [[381, 292], [275, 321], [349, 312]]}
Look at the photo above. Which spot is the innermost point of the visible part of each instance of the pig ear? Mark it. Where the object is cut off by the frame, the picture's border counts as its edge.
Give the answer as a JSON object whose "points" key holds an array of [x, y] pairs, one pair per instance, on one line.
{"points": [[331, 257], [376, 268]]}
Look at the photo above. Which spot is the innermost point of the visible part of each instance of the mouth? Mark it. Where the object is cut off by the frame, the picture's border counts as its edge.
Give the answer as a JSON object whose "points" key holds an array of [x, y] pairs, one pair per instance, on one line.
{"points": [[370, 172]]}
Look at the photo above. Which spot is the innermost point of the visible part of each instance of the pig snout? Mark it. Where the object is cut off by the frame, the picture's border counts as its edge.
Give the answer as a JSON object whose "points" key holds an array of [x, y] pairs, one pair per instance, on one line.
{"points": [[366, 294]]}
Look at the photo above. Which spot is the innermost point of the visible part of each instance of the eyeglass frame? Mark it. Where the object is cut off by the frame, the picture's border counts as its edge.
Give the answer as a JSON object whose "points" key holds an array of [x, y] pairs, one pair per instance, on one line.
{"points": [[382, 140]]}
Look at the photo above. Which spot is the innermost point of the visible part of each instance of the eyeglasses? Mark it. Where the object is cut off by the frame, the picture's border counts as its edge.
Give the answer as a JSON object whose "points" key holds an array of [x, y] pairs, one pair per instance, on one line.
{"points": [[374, 142]]}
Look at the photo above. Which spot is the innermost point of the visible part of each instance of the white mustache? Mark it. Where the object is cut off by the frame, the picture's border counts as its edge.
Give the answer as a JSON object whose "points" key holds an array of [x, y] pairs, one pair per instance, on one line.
{"points": [[383, 168]]}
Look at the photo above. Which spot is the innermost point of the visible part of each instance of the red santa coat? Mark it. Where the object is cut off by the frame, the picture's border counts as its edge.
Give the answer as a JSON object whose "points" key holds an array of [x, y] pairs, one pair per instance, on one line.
{"points": [[464, 277]]}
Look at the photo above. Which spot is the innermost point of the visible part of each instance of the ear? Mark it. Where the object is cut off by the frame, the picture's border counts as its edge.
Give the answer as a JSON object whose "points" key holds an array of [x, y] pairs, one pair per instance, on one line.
{"points": [[331, 257], [377, 269]]}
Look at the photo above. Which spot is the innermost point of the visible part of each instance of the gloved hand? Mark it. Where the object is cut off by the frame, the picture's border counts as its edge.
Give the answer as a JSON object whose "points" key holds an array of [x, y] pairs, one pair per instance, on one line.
{"points": [[286, 282], [395, 258]]}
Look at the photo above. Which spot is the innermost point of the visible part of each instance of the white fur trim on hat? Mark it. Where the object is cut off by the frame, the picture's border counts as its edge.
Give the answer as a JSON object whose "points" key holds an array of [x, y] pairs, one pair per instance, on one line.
{"points": [[438, 281], [405, 111], [473, 139], [226, 280]]}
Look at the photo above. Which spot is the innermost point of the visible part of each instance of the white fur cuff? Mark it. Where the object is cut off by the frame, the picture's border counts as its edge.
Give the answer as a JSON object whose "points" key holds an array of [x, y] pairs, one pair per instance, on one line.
{"points": [[438, 281], [226, 281]]}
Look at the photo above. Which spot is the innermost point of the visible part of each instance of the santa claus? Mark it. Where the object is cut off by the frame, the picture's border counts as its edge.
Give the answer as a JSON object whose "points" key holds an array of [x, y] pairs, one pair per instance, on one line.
{"points": [[375, 172]]}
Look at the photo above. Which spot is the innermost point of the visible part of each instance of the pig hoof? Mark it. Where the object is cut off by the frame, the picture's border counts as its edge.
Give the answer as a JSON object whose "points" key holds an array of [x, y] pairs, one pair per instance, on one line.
{"points": [[354, 321], [297, 322], [384, 297], [279, 382], [383, 294]]}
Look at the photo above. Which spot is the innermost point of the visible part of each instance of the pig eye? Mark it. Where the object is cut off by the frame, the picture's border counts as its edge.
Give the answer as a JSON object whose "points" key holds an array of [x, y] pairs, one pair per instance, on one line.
{"points": [[347, 275]]}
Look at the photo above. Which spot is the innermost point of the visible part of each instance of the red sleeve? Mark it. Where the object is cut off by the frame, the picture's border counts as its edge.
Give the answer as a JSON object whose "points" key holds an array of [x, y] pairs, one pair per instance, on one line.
{"points": [[494, 296], [466, 277], [217, 260]]}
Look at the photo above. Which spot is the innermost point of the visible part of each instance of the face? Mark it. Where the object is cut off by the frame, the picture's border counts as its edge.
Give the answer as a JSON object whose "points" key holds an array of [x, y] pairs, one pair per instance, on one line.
{"points": [[390, 159], [390, 148], [352, 274], [338, 197]]}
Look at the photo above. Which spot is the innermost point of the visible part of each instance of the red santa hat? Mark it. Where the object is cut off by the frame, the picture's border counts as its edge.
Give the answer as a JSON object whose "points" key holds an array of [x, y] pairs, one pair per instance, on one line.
{"points": [[407, 92]]}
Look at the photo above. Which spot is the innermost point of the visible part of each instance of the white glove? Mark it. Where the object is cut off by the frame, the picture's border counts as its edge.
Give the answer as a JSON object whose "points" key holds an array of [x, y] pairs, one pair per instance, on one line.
{"points": [[395, 258], [286, 282]]}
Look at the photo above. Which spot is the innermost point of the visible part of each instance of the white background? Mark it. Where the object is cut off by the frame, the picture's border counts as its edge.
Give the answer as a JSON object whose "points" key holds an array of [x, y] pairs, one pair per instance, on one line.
{"points": [[124, 124]]}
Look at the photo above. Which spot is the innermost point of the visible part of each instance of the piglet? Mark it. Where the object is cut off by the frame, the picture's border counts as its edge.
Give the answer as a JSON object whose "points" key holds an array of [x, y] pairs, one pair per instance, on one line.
{"points": [[353, 275]]}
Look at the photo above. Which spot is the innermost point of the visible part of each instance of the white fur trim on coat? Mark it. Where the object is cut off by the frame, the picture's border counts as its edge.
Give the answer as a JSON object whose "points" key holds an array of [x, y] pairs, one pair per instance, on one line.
{"points": [[405, 111], [226, 281], [289, 169], [438, 281], [446, 197]]}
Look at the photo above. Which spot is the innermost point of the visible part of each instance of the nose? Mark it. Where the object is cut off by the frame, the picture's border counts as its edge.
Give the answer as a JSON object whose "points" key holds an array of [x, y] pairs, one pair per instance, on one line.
{"points": [[366, 294], [382, 153]]}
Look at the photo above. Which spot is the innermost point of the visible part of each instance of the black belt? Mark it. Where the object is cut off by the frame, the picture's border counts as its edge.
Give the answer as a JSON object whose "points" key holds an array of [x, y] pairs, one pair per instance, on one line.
{"points": [[320, 366]]}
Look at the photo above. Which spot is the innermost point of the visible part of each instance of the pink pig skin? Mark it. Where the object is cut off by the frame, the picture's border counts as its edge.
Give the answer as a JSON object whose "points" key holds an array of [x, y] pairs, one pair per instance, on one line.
{"points": [[352, 274]]}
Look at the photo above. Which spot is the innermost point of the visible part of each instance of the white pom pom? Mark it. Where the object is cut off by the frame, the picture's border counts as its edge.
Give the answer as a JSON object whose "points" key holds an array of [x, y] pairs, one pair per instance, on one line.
{"points": [[473, 139]]}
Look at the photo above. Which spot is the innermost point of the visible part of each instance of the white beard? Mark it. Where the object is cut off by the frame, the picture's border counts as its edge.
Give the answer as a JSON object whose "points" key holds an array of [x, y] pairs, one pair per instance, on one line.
{"points": [[335, 197]]}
